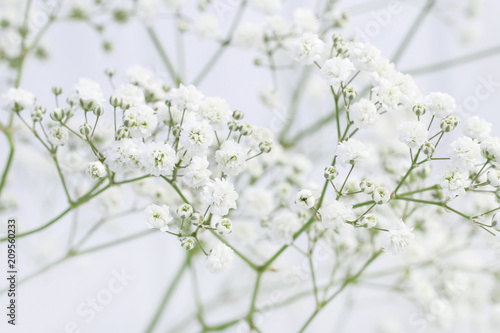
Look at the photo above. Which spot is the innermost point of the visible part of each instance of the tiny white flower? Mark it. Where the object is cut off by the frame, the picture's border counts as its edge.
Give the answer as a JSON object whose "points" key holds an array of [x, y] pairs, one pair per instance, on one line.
{"points": [[197, 136], [494, 178], [185, 211], [465, 152], [96, 170], [305, 20], [336, 70], [231, 158], [158, 217], [159, 158], [18, 98], [216, 111], [219, 259], [335, 214], [123, 155], [440, 104], [413, 133], [453, 182], [186, 97], [197, 173], [490, 148], [248, 35], [145, 120], [305, 199], [208, 26], [398, 238], [381, 195], [364, 113], [364, 56], [308, 49], [224, 226], [89, 92], [131, 95], [368, 221], [284, 225], [351, 151], [58, 135], [220, 196], [267, 6], [477, 128]]}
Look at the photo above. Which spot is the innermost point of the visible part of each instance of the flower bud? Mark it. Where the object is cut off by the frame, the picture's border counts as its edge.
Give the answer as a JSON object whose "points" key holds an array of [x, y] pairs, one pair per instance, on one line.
{"points": [[96, 170], [381, 195], [246, 129], [185, 211], [36, 115], [494, 178], [305, 199], [238, 115], [449, 123], [58, 114], [330, 173], [176, 131], [265, 146], [188, 243], [428, 149], [56, 90], [85, 129], [419, 110], [98, 111], [197, 219], [86, 105], [129, 121], [224, 226], [233, 125], [368, 221], [182, 25], [202, 5], [350, 94], [115, 101], [367, 186], [70, 100], [110, 71], [123, 132], [494, 221]]}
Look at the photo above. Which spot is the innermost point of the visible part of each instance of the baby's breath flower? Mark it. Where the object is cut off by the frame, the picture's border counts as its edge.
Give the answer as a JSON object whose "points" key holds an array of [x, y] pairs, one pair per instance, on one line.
{"points": [[18, 99], [308, 49], [158, 217], [398, 238], [159, 158], [197, 173], [219, 259], [335, 214], [494, 178], [381, 195], [220, 196], [413, 133], [96, 170], [440, 104], [364, 113], [367, 186], [305, 199], [185, 211], [330, 173], [368, 221], [188, 243], [336, 70], [58, 135], [224, 226], [351, 151], [231, 158]]}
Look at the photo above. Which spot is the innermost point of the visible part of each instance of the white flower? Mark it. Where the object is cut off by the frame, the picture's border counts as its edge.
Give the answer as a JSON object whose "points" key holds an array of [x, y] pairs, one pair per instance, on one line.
{"points": [[145, 79], [336, 70], [158, 217], [335, 214], [216, 111], [364, 56], [123, 155], [19, 99], [219, 259], [186, 97], [159, 158], [267, 6], [220, 196], [453, 182], [413, 133], [364, 113], [224, 226], [305, 20], [130, 94], [58, 135], [305, 199], [197, 136], [477, 128], [494, 178], [148, 10], [440, 104], [208, 25], [381, 195], [197, 173], [398, 238], [465, 152], [89, 92], [284, 225], [368, 221], [96, 170], [231, 158], [248, 35], [145, 120], [258, 202], [490, 149], [351, 151], [270, 97], [308, 49]]}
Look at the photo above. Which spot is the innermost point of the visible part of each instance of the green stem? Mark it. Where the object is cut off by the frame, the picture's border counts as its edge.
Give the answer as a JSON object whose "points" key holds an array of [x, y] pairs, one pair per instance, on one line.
{"points": [[163, 55]]}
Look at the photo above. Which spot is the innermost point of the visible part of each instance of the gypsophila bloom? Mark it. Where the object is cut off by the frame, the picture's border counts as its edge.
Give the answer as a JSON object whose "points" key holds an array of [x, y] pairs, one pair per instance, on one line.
{"points": [[131, 95], [305, 199], [197, 173], [368, 221], [336, 70], [398, 238], [123, 155], [231, 158], [159, 158], [89, 93], [413, 133], [224, 226], [197, 136], [186, 97], [144, 118], [453, 182], [335, 214], [305, 20], [248, 35], [185, 211], [58, 135], [220, 196], [145, 79], [440, 104], [476, 128], [465, 152], [219, 259], [207, 25], [351, 151], [381, 195], [494, 178], [284, 225], [308, 49], [258, 202], [216, 111], [96, 170], [18, 99], [158, 217], [367, 186], [364, 56], [490, 149], [267, 6], [364, 113], [330, 173]]}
